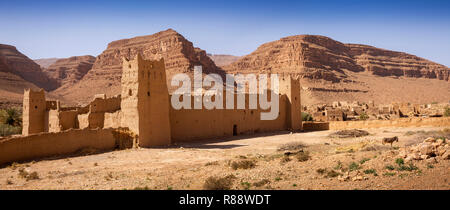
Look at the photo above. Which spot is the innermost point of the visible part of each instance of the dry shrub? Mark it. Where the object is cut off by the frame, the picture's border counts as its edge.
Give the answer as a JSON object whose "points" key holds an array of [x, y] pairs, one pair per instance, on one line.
{"points": [[243, 164], [303, 156], [261, 183], [328, 173], [215, 183], [349, 133], [291, 146], [28, 176], [285, 159], [125, 139]]}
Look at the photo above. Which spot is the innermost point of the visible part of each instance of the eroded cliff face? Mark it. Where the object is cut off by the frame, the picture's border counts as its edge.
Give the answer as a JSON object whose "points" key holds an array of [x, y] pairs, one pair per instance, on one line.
{"points": [[390, 63], [179, 54], [69, 71], [21, 65], [223, 60], [321, 58]]}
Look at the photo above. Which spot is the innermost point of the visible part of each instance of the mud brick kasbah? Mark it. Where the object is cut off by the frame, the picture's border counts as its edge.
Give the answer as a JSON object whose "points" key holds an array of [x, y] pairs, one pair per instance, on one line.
{"points": [[144, 110]]}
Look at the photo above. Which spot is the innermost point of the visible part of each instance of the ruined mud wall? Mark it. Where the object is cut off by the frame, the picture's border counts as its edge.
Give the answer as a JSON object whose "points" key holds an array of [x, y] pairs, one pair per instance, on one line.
{"points": [[51, 144], [402, 122], [62, 120], [105, 104], [316, 126], [191, 124]]}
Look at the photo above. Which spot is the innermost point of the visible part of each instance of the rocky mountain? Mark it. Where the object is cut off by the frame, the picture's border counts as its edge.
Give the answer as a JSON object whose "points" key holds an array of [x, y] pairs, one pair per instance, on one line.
{"points": [[223, 60], [179, 54], [69, 71], [319, 57], [45, 62], [18, 64], [334, 71]]}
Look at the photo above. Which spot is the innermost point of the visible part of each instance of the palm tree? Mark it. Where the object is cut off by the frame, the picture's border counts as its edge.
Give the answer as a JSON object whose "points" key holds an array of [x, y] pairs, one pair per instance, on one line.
{"points": [[11, 116]]}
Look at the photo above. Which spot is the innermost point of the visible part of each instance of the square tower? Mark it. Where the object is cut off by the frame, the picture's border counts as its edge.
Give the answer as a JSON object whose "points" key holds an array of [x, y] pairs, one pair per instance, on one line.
{"points": [[34, 117], [290, 86], [145, 101]]}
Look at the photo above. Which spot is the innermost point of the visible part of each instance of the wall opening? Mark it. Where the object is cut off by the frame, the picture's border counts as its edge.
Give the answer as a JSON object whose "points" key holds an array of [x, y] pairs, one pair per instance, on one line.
{"points": [[235, 130], [130, 92]]}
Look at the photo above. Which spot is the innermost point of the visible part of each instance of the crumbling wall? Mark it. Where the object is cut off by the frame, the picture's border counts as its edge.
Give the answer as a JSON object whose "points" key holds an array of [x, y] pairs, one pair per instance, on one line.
{"points": [[316, 126], [112, 120], [51, 144], [62, 120], [192, 124], [105, 104]]}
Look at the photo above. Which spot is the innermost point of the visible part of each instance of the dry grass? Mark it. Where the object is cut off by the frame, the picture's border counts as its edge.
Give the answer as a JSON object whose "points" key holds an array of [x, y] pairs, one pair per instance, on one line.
{"points": [[215, 183], [291, 146], [349, 133], [243, 164], [28, 176], [303, 156], [261, 183]]}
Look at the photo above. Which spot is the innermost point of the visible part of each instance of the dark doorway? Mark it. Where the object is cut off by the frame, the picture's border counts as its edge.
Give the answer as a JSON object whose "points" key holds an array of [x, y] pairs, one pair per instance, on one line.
{"points": [[235, 130]]}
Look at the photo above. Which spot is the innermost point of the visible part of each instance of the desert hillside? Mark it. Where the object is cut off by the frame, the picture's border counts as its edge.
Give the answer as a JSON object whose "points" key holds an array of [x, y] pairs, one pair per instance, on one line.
{"points": [[334, 71], [18, 72], [18, 64], [223, 60], [69, 71], [179, 54], [330, 70], [45, 62]]}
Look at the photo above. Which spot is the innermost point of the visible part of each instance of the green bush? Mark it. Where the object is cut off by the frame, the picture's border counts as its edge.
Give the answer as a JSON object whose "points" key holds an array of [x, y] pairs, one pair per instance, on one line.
{"points": [[447, 112], [11, 117], [363, 116], [306, 117], [7, 130]]}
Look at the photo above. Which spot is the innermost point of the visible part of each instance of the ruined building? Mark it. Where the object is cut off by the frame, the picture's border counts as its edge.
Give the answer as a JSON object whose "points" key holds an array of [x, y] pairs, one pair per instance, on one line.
{"points": [[144, 108]]}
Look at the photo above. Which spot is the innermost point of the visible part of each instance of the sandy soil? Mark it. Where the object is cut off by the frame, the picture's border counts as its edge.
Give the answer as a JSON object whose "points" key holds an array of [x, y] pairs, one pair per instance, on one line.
{"points": [[187, 166]]}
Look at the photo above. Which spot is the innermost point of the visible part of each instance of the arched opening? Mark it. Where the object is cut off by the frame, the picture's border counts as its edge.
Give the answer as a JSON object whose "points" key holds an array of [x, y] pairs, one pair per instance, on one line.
{"points": [[130, 92], [235, 132]]}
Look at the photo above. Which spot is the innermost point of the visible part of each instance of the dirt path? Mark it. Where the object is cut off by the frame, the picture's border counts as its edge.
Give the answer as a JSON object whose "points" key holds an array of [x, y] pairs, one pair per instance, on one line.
{"points": [[187, 166]]}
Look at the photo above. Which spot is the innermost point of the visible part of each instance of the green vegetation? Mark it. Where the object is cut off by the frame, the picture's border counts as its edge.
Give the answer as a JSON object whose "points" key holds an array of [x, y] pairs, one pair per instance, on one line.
{"points": [[447, 112], [261, 183], [246, 185], [364, 160], [306, 117], [363, 116], [353, 166], [371, 171], [390, 167], [10, 122], [389, 174], [399, 161], [410, 167]]}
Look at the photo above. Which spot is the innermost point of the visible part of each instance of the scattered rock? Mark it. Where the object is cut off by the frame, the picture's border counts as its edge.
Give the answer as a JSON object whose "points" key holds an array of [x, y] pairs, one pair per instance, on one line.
{"points": [[429, 148]]}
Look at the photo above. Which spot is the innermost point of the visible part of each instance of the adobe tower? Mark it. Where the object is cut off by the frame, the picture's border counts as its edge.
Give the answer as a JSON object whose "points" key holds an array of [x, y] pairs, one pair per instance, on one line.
{"points": [[145, 101], [34, 112], [290, 86]]}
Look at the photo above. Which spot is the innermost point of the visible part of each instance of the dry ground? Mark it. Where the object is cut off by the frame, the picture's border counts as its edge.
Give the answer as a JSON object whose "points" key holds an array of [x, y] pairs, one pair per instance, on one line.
{"points": [[187, 166]]}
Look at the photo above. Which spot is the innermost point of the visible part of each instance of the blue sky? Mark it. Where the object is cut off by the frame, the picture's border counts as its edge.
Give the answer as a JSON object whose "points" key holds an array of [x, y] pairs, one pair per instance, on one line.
{"points": [[43, 29]]}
